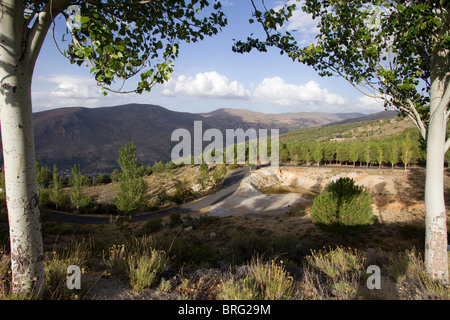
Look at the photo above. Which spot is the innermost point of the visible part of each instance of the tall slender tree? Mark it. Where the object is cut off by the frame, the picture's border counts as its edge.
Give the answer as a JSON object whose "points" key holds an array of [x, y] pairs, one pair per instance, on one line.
{"points": [[406, 151], [56, 195], [353, 153], [317, 152], [76, 183], [393, 153], [119, 40], [131, 195]]}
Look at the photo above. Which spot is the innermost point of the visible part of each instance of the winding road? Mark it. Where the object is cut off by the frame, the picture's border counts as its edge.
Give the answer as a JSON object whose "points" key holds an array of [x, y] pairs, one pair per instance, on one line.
{"points": [[229, 186]]}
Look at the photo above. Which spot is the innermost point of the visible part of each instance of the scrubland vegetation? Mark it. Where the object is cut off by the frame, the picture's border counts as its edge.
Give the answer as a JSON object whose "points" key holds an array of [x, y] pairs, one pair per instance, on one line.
{"points": [[205, 257], [159, 267], [322, 251]]}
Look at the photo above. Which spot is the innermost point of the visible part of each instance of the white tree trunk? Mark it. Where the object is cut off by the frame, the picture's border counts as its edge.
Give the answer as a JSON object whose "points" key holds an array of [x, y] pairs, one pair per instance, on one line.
{"points": [[27, 263], [436, 256]]}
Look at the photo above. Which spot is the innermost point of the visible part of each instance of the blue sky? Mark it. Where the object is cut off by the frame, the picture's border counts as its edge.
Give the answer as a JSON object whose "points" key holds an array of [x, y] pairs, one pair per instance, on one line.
{"points": [[208, 75]]}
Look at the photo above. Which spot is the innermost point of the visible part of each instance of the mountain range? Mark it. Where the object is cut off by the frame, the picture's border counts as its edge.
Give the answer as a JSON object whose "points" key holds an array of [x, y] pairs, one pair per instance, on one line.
{"points": [[92, 137]]}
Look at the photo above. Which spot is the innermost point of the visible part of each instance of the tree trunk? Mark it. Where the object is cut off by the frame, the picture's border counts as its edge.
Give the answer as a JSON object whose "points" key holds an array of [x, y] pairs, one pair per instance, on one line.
{"points": [[436, 256], [27, 264], [21, 186]]}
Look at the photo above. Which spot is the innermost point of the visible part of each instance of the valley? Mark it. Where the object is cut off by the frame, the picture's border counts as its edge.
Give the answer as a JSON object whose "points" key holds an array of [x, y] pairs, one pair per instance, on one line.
{"points": [[92, 137], [213, 232], [257, 218]]}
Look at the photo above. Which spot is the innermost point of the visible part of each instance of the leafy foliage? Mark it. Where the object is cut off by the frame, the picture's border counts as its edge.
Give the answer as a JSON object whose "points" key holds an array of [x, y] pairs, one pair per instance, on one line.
{"points": [[131, 195], [76, 193], [385, 49], [56, 194], [123, 39], [405, 148]]}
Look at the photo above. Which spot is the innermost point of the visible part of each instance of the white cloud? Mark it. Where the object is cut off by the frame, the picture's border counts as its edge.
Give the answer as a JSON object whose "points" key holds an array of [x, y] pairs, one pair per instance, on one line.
{"points": [[63, 90], [73, 87], [368, 104], [277, 91], [300, 20], [227, 3], [206, 85]]}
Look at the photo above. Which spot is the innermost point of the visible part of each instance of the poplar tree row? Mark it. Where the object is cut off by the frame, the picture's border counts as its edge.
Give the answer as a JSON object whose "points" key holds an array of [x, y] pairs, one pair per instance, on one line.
{"points": [[402, 150]]}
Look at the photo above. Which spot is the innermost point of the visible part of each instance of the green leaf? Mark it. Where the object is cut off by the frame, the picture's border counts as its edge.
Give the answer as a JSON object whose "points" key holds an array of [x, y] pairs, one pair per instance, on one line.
{"points": [[109, 48], [401, 7]]}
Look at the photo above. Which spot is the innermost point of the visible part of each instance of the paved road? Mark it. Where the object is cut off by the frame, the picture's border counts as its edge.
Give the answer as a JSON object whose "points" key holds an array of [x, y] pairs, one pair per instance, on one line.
{"points": [[230, 184]]}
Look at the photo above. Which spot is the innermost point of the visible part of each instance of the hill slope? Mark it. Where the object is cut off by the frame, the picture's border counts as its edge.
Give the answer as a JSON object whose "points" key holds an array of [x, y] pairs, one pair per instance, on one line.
{"points": [[285, 122], [352, 130], [92, 137]]}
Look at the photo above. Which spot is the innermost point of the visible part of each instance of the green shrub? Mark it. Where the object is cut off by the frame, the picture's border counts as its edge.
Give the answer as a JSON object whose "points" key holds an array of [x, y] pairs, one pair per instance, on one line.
{"points": [[144, 270], [102, 179], [56, 263], [86, 205], [334, 274], [182, 191], [267, 281], [44, 197], [343, 207], [158, 167], [139, 260], [151, 226], [245, 245], [116, 260], [191, 252], [336, 263], [174, 219], [409, 272]]}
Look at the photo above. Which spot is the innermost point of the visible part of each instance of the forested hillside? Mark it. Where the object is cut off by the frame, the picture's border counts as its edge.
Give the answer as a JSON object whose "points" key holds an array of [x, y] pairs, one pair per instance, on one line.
{"points": [[386, 142]]}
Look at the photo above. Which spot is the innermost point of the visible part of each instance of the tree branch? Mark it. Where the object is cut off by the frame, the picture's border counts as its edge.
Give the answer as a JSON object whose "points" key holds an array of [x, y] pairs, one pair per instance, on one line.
{"points": [[107, 5], [445, 100], [38, 32], [418, 120], [446, 145]]}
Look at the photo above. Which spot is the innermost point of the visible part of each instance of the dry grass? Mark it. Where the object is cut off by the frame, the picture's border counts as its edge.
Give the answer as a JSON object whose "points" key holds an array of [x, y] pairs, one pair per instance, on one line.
{"points": [[202, 255]]}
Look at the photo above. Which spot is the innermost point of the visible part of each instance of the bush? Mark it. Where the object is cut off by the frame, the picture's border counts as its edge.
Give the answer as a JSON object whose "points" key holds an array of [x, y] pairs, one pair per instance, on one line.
{"points": [[103, 179], [174, 219], [267, 281], [56, 263], [86, 205], [409, 272], [158, 167], [343, 207], [182, 191], [151, 226], [144, 270], [139, 260], [334, 274], [244, 246]]}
